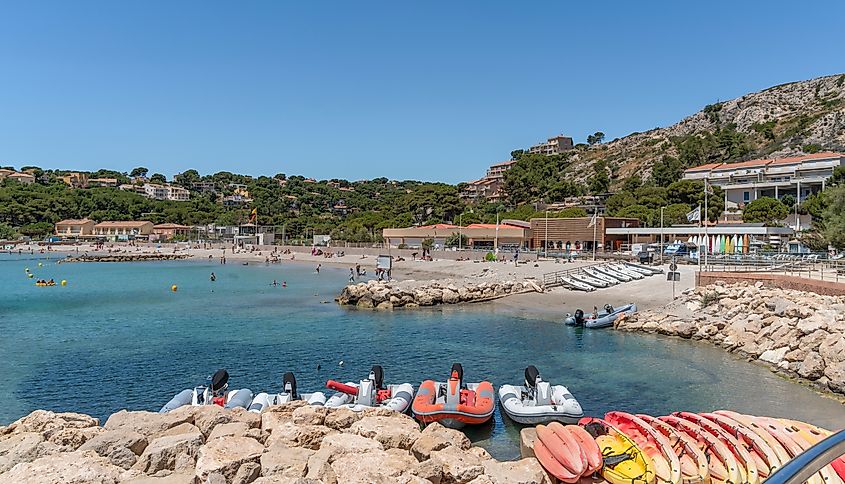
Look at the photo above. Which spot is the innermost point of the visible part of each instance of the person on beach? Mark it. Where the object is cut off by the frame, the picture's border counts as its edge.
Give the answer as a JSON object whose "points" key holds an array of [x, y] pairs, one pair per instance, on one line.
{"points": [[351, 275]]}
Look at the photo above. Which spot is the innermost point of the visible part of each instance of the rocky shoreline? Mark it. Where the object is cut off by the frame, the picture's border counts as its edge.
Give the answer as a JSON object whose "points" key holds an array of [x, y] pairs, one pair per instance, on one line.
{"points": [[290, 443], [408, 294], [125, 258], [796, 334]]}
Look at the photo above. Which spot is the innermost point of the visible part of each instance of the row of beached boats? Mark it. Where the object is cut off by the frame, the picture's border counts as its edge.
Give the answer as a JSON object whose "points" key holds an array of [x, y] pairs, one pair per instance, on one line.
{"points": [[681, 448], [454, 402], [600, 276]]}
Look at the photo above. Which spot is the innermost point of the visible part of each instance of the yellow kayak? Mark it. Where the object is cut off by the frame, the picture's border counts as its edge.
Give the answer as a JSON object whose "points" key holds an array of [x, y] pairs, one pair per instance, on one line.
{"points": [[624, 461]]}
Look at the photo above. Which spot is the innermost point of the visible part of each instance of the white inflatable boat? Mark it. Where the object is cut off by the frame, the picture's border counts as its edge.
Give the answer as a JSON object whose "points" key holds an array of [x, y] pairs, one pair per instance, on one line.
{"points": [[371, 393], [264, 400], [539, 401], [216, 393]]}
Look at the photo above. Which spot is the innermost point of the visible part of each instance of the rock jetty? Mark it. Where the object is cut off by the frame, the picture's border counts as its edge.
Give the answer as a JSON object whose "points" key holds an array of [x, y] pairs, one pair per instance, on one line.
{"points": [[795, 333], [125, 257], [408, 294], [291, 443]]}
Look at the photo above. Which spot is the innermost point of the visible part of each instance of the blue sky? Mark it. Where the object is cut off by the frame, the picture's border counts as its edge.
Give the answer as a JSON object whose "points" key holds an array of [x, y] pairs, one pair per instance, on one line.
{"points": [[406, 90]]}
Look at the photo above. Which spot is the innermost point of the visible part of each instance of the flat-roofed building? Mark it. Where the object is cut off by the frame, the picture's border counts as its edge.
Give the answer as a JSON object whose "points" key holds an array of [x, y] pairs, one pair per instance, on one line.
{"points": [[102, 182], [746, 181], [123, 229], [578, 233], [76, 180], [155, 191], [178, 194], [75, 228], [553, 146]]}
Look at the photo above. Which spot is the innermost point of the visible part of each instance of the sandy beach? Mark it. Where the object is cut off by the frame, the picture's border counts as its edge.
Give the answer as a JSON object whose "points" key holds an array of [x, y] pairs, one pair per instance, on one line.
{"points": [[647, 293]]}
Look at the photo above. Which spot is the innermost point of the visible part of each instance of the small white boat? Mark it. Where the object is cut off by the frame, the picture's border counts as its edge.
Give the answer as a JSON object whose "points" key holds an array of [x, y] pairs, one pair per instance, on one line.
{"points": [[624, 270], [616, 274], [646, 271], [539, 401], [216, 393], [575, 284], [264, 400], [603, 277], [585, 278], [371, 392]]}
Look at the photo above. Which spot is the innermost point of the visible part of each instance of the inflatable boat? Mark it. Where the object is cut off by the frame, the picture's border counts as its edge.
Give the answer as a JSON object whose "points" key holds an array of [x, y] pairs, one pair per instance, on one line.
{"points": [[264, 400], [539, 401], [603, 319], [216, 393], [454, 403], [370, 392]]}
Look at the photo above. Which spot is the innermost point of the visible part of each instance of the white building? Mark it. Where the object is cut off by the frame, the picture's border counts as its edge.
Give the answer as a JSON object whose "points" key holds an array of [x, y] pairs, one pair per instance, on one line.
{"points": [[746, 181], [166, 192]]}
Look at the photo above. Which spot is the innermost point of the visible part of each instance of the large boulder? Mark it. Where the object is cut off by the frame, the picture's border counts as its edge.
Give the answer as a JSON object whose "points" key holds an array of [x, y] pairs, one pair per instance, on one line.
{"points": [[48, 423], [373, 466], [148, 424], [171, 478], [436, 437], [396, 431], [525, 471], [231, 429], [349, 443], [458, 465], [277, 415], [121, 446], [293, 435], [23, 447], [225, 455], [812, 368], [285, 461], [66, 468], [341, 418], [170, 452], [310, 415]]}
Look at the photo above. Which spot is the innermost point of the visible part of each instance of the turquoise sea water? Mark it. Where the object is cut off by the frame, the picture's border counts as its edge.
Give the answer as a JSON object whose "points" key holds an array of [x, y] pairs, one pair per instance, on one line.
{"points": [[117, 337]]}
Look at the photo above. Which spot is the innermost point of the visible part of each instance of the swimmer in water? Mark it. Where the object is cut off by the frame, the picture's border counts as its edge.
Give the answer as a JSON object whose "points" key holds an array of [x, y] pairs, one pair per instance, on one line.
{"points": [[213, 277], [284, 283], [274, 283]]}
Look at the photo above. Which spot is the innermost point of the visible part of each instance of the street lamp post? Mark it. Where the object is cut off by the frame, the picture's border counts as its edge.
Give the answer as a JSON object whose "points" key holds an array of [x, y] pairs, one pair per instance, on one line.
{"points": [[460, 230], [661, 234]]}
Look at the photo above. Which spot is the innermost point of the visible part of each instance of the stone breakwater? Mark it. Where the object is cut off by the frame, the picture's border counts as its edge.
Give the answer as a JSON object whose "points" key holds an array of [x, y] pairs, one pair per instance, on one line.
{"points": [[409, 294], [795, 333], [291, 443], [125, 258]]}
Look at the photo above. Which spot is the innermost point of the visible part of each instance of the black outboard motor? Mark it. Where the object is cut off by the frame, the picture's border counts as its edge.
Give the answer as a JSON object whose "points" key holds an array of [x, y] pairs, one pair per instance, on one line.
{"points": [[456, 367], [579, 317], [289, 385], [378, 375], [219, 381], [531, 374]]}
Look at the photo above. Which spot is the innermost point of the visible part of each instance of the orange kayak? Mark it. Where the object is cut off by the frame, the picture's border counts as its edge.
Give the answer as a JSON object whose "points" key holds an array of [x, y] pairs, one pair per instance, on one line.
{"points": [[454, 403]]}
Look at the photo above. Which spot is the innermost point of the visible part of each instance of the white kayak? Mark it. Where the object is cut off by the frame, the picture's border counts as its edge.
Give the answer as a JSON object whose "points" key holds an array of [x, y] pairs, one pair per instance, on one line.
{"points": [[539, 401], [371, 392], [216, 393], [264, 400]]}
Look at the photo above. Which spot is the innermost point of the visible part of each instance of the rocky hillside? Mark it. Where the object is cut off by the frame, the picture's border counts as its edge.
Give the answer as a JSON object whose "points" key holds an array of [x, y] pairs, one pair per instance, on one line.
{"points": [[804, 116]]}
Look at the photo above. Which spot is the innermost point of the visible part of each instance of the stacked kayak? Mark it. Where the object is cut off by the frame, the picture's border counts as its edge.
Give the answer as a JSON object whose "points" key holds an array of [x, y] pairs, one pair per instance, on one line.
{"points": [[539, 401], [215, 393], [370, 392], [454, 403], [263, 401], [567, 452], [600, 319], [691, 448]]}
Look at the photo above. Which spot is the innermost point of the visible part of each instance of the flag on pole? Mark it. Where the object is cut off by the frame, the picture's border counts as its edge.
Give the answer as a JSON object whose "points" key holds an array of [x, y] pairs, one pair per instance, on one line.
{"points": [[695, 215], [708, 190], [253, 215], [593, 220]]}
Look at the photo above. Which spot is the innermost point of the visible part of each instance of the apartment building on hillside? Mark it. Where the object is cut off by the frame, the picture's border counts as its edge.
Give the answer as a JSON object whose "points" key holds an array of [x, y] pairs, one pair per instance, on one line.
{"points": [[553, 146], [488, 188], [746, 181]]}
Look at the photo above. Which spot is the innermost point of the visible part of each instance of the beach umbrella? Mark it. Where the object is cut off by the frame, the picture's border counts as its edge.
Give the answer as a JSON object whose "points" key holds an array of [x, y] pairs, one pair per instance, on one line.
{"points": [[746, 244]]}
